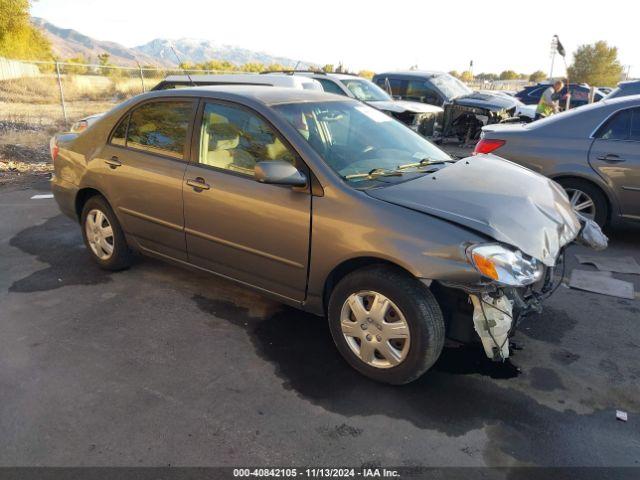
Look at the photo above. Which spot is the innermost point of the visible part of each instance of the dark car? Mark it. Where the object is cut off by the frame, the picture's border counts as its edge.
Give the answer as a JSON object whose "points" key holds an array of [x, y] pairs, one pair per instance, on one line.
{"points": [[592, 151], [531, 94], [624, 89], [465, 111], [326, 204]]}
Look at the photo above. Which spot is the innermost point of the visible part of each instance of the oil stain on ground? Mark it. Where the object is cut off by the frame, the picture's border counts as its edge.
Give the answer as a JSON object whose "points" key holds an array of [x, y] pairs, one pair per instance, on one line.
{"points": [[453, 398], [58, 243], [549, 326]]}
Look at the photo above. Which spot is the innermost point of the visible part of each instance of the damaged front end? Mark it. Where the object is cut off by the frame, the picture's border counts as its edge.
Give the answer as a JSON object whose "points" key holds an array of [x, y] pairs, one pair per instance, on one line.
{"points": [[466, 122], [499, 305], [526, 221]]}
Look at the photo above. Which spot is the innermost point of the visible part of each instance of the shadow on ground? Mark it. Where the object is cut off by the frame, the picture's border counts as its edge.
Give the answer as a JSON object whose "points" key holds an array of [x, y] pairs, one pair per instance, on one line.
{"points": [[58, 243], [452, 398]]}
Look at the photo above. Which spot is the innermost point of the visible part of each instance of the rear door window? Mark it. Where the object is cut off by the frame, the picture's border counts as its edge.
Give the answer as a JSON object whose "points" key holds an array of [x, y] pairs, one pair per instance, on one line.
{"points": [[393, 86], [421, 91], [330, 86], [617, 127], [161, 127]]}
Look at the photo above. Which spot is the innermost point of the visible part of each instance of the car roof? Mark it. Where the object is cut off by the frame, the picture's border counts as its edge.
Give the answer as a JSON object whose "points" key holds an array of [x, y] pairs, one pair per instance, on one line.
{"points": [[258, 93], [629, 83], [412, 73], [254, 78], [633, 100], [310, 74]]}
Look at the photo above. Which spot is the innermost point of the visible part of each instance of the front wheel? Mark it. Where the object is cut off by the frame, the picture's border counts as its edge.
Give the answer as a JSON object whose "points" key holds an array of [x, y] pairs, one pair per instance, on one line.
{"points": [[586, 199], [386, 324]]}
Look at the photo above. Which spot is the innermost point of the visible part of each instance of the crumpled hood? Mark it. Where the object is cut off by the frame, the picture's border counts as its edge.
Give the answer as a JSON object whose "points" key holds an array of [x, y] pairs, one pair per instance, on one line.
{"points": [[400, 106], [487, 100], [496, 197]]}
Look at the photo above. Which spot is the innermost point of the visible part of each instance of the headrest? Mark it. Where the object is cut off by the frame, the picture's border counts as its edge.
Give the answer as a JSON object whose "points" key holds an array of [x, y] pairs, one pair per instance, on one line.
{"points": [[222, 134]]}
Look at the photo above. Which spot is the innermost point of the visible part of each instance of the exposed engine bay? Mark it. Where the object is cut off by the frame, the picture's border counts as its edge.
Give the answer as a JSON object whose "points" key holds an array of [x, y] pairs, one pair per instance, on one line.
{"points": [[466, 122]]}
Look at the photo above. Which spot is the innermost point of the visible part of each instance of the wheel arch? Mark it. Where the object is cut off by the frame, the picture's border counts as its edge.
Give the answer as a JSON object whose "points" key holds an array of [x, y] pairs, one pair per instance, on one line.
{"points": [[351, 265], [605, 191], [83, 195]]}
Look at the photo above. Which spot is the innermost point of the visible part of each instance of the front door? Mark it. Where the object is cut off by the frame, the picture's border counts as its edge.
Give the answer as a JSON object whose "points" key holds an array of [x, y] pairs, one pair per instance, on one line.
{"points": [[252, 232], [143, 167], [615, 155]]}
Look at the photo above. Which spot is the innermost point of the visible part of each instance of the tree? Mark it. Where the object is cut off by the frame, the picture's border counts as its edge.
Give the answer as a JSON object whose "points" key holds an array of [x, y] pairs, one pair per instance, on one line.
{"points": [[595, 64], [328, 68], [454, 73], [508, 75], [18, 37], [466, 76], [538, 76], [366, 74], [80, 69]]}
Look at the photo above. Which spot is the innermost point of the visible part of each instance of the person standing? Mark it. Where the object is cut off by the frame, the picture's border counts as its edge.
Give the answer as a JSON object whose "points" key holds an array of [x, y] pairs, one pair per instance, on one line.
{"points": [[549, 101]]}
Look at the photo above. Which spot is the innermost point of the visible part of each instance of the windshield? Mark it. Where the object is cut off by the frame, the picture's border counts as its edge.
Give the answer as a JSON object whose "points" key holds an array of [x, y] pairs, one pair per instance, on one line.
{"points": [[360, 142], [366, 91], [450, 86]]}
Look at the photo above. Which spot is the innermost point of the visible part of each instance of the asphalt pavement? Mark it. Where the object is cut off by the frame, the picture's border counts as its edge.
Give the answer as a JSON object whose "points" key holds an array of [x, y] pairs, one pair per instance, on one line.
{"points": [[158, 366]]}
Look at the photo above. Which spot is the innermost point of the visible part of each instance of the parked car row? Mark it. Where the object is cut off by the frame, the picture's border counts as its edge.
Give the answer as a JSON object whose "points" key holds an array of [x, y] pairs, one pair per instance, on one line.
{"points": [[465, 111], [580, 94], [423, 118]]}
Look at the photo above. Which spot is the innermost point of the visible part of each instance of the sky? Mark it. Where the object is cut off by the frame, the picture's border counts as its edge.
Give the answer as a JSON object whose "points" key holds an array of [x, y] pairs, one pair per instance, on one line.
{"points": [[373, 35]]}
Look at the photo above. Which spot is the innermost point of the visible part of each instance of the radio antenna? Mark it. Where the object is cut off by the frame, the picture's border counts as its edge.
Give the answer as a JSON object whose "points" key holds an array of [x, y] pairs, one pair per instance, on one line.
{"points": [[182, 68]]}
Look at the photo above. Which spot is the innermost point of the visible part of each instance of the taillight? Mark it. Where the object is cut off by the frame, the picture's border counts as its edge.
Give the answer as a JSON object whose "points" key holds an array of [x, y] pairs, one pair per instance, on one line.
{"points": [[79, 126], [53, 147], [487, 145]]}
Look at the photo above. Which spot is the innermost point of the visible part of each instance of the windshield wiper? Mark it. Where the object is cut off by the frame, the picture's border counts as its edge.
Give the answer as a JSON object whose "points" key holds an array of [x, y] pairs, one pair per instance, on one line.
{"points": [[376, 172], [425, 162]]}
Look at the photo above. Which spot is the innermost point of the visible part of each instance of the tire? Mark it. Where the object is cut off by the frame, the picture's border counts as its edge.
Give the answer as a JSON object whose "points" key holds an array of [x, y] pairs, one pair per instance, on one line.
{"points": [[409, 301], [600, 204], [120, 256]]}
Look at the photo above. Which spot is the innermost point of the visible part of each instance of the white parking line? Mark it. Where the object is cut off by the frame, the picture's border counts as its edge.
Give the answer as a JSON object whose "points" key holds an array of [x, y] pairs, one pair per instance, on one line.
{"points": [[43, 196]]}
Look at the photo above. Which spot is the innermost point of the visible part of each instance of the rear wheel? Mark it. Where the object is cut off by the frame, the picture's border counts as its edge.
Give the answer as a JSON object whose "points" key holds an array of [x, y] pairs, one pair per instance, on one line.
{"points": [[586, 199], [386, 324], [103, 235]]}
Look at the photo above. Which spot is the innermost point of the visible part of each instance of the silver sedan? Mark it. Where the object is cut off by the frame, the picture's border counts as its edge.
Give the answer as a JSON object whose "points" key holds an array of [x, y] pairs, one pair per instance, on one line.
{"points": [[592, 151]]}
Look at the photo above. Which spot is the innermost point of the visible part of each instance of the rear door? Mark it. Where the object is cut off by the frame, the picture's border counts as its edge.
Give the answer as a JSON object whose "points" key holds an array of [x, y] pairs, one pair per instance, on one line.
{"points": [[249, 231], [143, 167], [615, 155]]}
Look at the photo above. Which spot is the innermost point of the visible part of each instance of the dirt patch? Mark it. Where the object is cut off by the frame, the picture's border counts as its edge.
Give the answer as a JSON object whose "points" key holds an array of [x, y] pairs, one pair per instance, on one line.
{"points": [[24, 152]]}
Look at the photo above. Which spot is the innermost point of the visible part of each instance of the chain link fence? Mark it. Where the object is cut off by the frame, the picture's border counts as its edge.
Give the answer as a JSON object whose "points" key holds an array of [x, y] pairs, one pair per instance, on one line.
{"points": [[60, 93]]}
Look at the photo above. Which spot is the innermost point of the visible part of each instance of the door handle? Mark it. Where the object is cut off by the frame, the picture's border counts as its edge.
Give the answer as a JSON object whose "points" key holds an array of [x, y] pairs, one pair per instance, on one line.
{"points": [[198, 184], [113, 162], [610, 157]]}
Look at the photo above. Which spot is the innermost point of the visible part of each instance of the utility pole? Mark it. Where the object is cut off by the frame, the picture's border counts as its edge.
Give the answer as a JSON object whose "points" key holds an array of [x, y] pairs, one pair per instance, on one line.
{"points": [[554, 49], [64, 108]]}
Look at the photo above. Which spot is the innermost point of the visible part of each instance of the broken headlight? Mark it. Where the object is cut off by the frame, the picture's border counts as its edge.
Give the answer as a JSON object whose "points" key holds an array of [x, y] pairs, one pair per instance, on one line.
{"points": [[506, 266]]}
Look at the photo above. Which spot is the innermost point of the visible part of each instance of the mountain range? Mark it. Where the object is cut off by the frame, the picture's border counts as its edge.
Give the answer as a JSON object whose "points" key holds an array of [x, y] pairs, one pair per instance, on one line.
{"points": [[69, 43]]}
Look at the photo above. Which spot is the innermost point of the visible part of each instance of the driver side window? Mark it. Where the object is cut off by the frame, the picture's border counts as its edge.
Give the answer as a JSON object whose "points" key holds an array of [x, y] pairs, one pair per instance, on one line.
{"points": [[235, 139]]}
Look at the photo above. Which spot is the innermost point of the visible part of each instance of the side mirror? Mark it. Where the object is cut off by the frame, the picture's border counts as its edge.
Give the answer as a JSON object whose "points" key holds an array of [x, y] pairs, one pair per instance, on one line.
{"points": [[279, 172]]}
